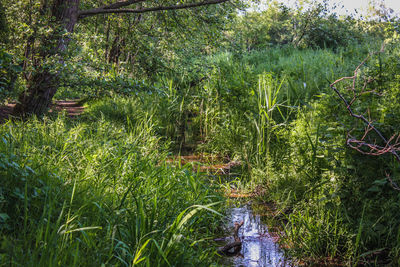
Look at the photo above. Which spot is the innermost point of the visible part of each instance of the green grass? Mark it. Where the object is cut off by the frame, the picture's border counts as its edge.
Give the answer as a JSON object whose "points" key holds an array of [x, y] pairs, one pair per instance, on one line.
{"points": [[290, 130], [96, 191]]}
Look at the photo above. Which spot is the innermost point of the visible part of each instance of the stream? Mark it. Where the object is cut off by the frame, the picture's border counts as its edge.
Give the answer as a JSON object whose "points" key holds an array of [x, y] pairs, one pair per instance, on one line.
{"points": [[259, 249], [258, 246]]}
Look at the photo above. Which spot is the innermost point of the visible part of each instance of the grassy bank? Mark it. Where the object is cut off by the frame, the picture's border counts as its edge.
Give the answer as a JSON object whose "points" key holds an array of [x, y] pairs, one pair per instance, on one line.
{"points": [[95, 191]]}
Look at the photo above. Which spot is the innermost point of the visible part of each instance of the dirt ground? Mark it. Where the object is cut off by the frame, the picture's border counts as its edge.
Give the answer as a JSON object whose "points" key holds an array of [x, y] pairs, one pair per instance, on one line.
{"points": [[72, 107]]}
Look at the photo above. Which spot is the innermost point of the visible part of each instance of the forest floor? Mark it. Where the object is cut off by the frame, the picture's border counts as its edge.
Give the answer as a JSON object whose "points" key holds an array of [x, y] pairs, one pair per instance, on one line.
{"points": [[73, 108]]}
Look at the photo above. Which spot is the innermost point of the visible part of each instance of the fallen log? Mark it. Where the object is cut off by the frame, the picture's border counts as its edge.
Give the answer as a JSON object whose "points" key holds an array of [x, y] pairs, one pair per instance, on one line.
{"points": [[233, 248]]}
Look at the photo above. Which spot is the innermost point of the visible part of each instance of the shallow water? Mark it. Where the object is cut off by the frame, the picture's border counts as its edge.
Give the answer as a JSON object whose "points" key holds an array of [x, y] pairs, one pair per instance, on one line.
{"points": [[258, 246]]}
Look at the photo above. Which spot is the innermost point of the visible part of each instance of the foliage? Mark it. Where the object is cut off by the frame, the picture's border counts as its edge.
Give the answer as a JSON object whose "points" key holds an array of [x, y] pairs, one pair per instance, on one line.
{"points": [[94, 191], [293, 142], [252, 87], [256, 30], [8, 75], [3, 25], [325, 183], [310, 25]]}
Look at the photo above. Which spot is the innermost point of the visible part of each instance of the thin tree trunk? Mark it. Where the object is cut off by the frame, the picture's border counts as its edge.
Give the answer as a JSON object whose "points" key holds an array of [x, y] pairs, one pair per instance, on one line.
{"points": [[107, 39], [43, 84]]}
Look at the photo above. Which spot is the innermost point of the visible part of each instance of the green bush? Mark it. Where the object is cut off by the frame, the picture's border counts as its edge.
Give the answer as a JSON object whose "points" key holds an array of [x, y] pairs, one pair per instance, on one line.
{"points": [[8, 75]]}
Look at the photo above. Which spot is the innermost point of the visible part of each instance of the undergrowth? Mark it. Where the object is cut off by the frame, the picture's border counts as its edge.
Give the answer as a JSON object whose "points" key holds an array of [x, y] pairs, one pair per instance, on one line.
{"points": [[98, 190], [95, 191]]}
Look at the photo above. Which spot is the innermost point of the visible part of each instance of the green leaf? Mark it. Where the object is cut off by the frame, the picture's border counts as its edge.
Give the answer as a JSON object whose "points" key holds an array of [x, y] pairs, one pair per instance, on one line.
{"points": [[4, 217], [16, 68], [374, 189], [380, 182], [137, 258]]}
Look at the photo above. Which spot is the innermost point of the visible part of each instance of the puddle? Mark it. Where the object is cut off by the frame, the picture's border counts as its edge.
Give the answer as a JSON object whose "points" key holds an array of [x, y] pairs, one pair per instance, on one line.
{"points": [[258, 246]]}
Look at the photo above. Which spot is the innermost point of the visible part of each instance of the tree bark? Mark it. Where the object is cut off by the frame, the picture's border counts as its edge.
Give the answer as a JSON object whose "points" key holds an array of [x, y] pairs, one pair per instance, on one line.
{"points": [[43, 83]]}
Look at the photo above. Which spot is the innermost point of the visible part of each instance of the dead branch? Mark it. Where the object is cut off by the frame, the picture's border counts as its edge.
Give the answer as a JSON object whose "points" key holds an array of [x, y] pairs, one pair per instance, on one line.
{"points": [[236, 245], [362, 145]]}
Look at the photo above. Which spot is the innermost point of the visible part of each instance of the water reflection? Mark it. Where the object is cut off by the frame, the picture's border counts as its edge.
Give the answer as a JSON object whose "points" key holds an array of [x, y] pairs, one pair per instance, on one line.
{"points": [[258, 248]]}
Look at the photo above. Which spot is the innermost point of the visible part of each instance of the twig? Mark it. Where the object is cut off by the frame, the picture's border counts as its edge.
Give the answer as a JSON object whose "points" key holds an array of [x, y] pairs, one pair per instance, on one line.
{"points": [[235, 245], [391, 145]]}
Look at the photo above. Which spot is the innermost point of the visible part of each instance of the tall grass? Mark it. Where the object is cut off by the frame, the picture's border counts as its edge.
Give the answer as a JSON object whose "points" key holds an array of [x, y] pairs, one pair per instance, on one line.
{"points": [[235, 82], [267, 100], [96, 191], [314, 232], [290, 132]]}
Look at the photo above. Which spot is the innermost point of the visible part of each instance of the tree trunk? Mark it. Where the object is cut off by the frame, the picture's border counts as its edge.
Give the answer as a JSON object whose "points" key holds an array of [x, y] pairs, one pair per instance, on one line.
{"points": [[43, 83], [116, 49]]}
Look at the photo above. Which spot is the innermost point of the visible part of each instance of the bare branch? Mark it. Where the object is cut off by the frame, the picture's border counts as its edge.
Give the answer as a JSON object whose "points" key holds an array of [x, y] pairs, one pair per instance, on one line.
{"points": [[393, 184], [362, 145], [115, 8]]}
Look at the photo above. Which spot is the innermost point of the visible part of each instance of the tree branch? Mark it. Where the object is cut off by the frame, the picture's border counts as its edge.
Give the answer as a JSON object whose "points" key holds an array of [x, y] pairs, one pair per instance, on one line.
{"points": [[120, 4], [362, 145], [115, 8], [117, 5], [236, 245]]}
